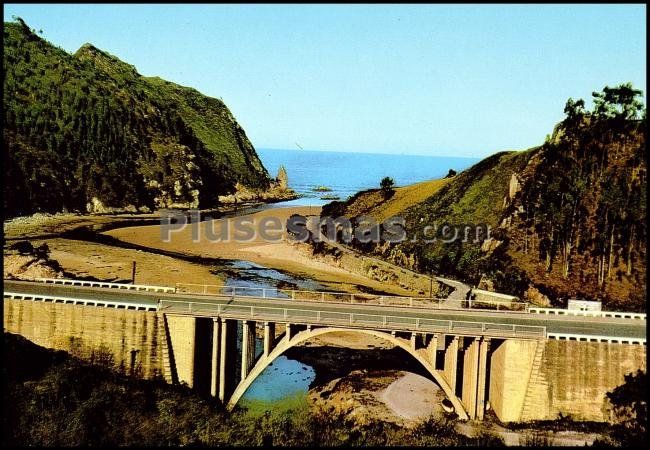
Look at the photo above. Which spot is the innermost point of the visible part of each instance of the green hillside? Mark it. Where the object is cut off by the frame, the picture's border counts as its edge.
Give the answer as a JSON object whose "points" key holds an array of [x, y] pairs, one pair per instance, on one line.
{"points": [[88, 126], [567, 218]]}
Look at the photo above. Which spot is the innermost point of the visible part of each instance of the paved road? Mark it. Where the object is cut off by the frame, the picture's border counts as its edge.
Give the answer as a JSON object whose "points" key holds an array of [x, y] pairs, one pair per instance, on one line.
{"points": [[587, 326], [458, 295]]}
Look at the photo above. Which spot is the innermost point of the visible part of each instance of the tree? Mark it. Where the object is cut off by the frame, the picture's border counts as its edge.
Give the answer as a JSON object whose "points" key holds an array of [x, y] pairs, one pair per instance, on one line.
{"points": [[451, 173], [620, 102], [630, 408], [387, 184], [574, 110]]}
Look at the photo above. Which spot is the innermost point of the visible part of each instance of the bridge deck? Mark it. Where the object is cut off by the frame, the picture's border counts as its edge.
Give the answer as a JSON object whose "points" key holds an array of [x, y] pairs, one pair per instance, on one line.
{"points": [[403, 318]]}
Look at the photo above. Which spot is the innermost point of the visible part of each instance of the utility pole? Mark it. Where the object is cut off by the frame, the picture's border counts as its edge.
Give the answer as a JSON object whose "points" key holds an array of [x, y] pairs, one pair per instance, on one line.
{"points": [[431, 285], [133, 274]]}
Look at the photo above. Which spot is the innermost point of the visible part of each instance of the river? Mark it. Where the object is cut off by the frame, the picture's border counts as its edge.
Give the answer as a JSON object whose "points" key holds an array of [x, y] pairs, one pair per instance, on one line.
{"points": [[285, 379]]}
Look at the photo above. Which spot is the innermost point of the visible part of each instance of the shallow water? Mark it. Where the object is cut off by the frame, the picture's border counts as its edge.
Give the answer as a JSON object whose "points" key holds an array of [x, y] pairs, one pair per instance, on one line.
{"points": [[284, 378], [255, 276]]}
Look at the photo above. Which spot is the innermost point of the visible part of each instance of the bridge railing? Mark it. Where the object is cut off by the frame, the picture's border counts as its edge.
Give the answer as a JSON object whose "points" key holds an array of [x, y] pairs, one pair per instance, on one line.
{"points": [[299, 295], [312, 316], [592, 338], [577, 312], [496, 305], [345, 297], [46, 298], [105, 284]]}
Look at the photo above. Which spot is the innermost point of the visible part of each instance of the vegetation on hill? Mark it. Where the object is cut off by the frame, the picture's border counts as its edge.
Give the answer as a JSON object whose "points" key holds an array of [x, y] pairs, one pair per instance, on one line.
{"points": [[87, 132], [373, 203], [567, 218], [53, 399], [579, 220]]}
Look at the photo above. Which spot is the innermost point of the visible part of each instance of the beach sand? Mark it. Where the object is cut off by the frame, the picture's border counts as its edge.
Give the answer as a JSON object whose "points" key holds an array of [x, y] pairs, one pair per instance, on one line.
{"points": [[281, 254], [87, 259]]}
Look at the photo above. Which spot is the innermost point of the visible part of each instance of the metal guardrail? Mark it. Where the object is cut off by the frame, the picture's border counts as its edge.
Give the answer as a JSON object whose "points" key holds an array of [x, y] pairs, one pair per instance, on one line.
{"points": [[81, 301], [577, 312], [344, 297], [584, 338], [105, 284], [300, 295], [242, 312]]}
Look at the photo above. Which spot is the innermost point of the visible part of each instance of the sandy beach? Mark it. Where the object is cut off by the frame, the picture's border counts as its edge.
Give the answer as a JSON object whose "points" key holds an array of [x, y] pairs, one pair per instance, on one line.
{"points": [[82, 259], [282, 254], [85, 259]]}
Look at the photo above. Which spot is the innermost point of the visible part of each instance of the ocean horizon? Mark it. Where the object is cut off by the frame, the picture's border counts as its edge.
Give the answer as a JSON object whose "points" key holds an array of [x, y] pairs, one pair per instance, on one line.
{"points": [[347, 173]]}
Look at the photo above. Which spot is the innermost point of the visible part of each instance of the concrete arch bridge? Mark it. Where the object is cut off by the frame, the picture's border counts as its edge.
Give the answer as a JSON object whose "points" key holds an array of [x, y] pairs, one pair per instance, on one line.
{"points": [[530, 365]]}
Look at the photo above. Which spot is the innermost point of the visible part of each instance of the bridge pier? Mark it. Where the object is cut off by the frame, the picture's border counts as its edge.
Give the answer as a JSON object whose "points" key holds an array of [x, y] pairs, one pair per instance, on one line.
{"points": [[289, 331], [182, 336], [228, 347], [216, 350], [432, 350], [474, 376], [247, 347], [451, 362], [482, 378], [269, 337], [470, 377]]}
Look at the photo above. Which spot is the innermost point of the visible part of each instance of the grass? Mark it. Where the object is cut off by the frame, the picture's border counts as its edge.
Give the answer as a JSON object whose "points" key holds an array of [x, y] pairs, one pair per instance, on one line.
{"points": [[373, 203], [256, 408], [406, 197]]}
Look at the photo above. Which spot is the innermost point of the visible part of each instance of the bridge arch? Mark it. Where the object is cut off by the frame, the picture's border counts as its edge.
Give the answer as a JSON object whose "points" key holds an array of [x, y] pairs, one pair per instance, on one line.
{"points": [[284, 344]]}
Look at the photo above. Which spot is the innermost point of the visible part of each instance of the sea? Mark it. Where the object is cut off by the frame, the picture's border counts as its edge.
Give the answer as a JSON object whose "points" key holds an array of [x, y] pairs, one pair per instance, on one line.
{"points": [[346, 173]]}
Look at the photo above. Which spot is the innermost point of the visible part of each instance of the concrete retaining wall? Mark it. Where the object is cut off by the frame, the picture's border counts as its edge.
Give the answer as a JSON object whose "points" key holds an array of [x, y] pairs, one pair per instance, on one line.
{"points": [[571, 378], [132, 339]]}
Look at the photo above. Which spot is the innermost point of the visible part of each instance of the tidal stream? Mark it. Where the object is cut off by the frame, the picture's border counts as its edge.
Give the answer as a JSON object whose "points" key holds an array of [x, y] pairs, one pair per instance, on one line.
{"points": [[284, 378]]}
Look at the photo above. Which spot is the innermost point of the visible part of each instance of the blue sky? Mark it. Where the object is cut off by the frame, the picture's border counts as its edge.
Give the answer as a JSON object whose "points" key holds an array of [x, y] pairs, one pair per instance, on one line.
{"points": [[421, 79]]}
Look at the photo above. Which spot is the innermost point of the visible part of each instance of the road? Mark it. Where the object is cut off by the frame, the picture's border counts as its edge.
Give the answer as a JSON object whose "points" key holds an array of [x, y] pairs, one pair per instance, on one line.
{"points": [[458, 295], [586, 326]]}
